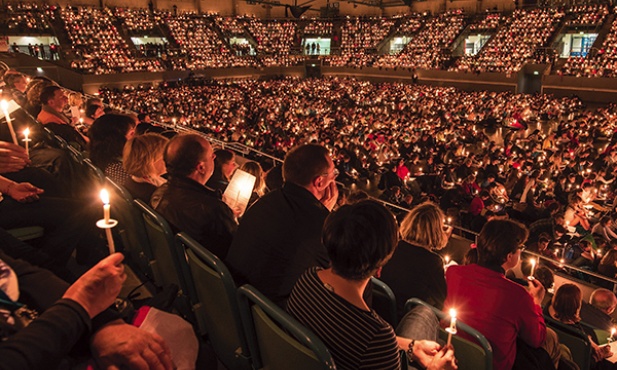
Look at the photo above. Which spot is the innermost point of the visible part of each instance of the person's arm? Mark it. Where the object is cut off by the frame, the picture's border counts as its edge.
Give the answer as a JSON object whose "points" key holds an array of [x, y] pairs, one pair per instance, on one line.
{"points": [[52, 335], [47, 339], [531, 320]]}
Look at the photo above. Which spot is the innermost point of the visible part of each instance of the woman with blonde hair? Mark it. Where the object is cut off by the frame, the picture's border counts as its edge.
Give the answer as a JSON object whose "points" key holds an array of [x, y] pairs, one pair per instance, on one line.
{"points": [[75, 106], [142, 159], [415, 270], [259, 189]]}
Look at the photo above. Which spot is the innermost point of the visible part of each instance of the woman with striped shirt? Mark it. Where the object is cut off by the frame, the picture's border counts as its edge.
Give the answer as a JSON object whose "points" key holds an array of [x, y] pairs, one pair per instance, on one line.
{"points": [[360, 239]]}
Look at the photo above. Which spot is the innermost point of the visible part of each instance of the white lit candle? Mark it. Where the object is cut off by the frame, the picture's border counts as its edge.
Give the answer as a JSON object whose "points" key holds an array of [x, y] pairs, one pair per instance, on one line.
{"points": [[532, 261], [452, 329], [5, 109], [107, 222], [27, 139], [106, 205]]}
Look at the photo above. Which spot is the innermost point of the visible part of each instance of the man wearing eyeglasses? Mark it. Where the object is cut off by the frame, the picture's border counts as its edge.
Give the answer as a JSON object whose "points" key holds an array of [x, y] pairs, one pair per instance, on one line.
{"points": [[280, 235]]}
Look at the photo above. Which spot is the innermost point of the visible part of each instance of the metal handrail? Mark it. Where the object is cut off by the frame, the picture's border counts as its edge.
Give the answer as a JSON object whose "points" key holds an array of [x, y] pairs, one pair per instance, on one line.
{"points": [[569, 267]]}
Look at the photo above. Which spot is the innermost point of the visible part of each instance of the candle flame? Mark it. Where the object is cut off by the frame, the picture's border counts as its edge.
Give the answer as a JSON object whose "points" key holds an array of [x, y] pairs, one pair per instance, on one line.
{"points": [[613, 330], [453, 313], [447, 258], [26, 132], [4, 104], [105, 196]]}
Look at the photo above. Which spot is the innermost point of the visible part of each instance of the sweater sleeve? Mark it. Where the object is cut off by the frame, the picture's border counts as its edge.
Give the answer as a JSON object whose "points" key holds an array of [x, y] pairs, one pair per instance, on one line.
{"points": [[531, 322], [47, 339]]}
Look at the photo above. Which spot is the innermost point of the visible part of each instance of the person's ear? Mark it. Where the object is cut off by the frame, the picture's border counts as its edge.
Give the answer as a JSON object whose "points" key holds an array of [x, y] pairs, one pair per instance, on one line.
{"points": [[319, 182]]}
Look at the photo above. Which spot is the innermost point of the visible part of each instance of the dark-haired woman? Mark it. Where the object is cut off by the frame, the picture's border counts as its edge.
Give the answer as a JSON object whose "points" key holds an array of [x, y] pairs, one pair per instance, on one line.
{"points": [[359, 238], [108, 135]]}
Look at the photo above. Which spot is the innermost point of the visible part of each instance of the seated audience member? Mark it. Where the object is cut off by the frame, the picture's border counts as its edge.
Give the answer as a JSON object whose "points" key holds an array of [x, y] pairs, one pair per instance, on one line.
{"points": [[598, 311], [359, 238], [53, 100], [414, 270], [259, 189], [186, 203], [108, 135], [142, 159], [73, 314], [604, 228], [565, 308], [280, 235], [506, 313], [224, 167], [16, 84], [67, 222], [608, 264], [92, 113]]}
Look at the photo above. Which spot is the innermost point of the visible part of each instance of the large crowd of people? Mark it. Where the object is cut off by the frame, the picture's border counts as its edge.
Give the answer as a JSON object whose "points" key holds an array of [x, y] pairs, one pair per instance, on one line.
{"points": [[471, 159], [426, 50], [514, 43], [204, 40]]}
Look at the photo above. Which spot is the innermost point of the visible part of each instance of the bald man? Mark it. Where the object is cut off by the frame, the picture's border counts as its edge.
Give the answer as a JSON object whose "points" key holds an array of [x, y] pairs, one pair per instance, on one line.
{"points": [[597, 313], [186, 203]]}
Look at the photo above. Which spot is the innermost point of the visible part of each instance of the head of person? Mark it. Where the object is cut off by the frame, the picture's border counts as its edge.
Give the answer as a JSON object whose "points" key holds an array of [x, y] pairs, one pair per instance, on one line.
{"points": [[545, 276], [310, 167], [604, 300], [94, 111], [610, 258], [500, 243], [190, 156], [225, 163], [75, 99], [360, 238], [54, 97], [255, 169], [424, 226], [15, 80], [143, 155], [108, 135], [567, 303]]}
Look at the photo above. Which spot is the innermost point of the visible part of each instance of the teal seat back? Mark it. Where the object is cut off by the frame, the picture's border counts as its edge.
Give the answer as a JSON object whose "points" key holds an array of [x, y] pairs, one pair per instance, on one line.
{"points": [[470, 355], [131, 228], [384, 302], [576, 341], [27, 233], [276, 340], [165, 265], [212, 293]]}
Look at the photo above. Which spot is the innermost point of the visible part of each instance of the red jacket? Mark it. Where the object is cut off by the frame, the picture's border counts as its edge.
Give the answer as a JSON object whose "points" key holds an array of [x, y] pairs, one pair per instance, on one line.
{"points": [[497, 307]]}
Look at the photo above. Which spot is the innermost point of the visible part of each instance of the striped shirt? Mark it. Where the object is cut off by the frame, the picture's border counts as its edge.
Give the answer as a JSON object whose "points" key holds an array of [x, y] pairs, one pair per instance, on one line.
{"points": [[357, 339]]}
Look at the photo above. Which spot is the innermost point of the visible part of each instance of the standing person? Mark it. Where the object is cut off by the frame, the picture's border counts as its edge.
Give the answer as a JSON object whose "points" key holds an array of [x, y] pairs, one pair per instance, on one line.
{"points": [[280, 235], [506, 313], [415, 270]]}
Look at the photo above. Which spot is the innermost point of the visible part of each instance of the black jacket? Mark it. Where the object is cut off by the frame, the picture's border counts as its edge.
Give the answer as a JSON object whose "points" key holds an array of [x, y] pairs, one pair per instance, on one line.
{"points": [[278, 239], [193, 208]]}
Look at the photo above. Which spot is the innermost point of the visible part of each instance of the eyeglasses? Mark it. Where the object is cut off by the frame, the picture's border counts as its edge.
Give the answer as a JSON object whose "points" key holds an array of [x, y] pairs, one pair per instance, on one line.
{"points": [[335, 173], [522, 247]]}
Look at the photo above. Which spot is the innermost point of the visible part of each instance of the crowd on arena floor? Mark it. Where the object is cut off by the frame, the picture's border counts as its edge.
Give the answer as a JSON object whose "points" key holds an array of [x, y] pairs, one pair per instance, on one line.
{"points": [[478, 160]]}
